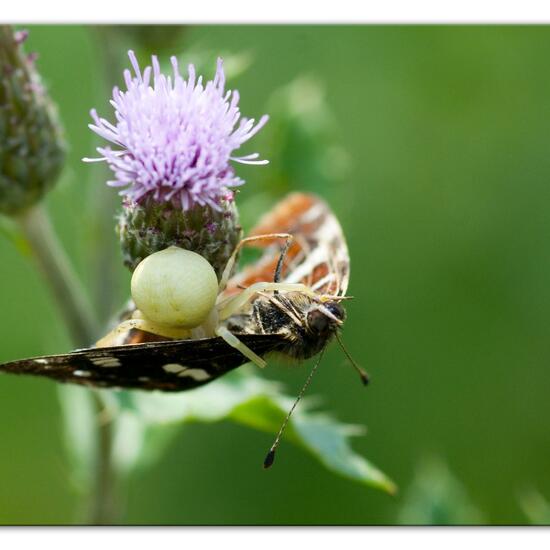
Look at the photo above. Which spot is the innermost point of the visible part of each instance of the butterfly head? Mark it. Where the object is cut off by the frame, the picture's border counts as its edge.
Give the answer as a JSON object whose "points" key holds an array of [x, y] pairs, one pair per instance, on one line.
{"points": [[325, 318]]}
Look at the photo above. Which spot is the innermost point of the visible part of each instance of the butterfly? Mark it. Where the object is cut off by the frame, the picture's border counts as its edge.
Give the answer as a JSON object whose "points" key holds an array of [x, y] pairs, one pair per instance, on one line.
{"points": [[297, 324]]}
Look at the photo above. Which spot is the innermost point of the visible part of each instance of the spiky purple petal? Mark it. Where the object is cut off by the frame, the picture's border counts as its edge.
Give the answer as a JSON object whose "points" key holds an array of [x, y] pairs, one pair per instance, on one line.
{"points": [[175, 137]]}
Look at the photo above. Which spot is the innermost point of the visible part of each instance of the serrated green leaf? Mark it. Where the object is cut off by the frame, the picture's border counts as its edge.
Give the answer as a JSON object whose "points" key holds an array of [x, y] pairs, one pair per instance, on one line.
{"points": [[328, 440], [246, 399], [318, 433]]}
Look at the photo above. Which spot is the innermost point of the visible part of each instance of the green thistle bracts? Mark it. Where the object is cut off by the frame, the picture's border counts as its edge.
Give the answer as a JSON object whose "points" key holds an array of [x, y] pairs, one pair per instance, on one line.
{"points": [[31, 147], [149, 227]]}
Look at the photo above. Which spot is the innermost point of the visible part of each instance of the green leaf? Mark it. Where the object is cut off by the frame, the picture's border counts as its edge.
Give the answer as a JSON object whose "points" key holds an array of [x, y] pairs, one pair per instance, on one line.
{"points": [[325, 438], [143, 418]]}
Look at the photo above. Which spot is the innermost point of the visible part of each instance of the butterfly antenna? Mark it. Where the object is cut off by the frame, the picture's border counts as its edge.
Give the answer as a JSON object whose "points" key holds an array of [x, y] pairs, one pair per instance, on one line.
{"points": [[364, 376], [270, 457]]}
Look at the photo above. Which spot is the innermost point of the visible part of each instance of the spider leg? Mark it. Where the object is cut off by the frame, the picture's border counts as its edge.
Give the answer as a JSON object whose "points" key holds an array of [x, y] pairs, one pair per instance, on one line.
{"points": [[235, 304], [233, 341], [231, 262]]}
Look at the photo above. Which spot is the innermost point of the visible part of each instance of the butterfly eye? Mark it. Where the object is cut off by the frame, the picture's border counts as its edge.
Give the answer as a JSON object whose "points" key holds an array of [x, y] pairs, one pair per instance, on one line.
{"points": [[175, 288], [317, 321], [327, 315], [337, 310]]}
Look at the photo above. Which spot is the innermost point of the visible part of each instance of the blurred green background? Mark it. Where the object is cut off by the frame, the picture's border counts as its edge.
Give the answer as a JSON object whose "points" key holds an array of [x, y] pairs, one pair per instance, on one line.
{"points": [[446, 207]]}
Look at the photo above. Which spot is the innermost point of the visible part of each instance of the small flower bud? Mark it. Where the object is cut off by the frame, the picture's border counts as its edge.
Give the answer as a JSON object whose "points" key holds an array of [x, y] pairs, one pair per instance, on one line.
{"points": [[175, 288], [31, 147]]}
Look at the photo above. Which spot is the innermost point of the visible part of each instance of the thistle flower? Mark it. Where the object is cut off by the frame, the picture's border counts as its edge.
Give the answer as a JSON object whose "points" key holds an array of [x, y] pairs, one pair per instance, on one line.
{"points": [[32, 150], [176, 137], [175, 143]]}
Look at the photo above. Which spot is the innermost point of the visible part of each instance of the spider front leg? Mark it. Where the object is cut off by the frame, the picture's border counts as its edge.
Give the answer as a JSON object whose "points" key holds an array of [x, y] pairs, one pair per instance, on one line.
{"points": [[230, 306], [235, 304], [233, 258], [234, 342]]}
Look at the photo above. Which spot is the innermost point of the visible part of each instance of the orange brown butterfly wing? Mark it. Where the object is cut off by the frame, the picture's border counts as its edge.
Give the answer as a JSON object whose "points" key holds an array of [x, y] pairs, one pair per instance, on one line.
{"points": [[318, 255]]}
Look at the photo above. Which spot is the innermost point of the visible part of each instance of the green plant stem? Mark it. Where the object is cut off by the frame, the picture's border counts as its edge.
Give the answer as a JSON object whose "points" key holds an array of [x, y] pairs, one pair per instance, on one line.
{"points": [[51, 260], [42, 243], [103, 504]]}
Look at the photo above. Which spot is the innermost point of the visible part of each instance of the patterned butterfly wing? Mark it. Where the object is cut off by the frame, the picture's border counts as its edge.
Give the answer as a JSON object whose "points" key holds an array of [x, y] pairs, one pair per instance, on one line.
{"points": [[166, 366], [318, 255]]}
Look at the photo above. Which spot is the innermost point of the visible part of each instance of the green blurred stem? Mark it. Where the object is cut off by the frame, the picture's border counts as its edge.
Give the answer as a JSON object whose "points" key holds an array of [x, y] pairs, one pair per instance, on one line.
{"points": [[49, 256], [103, 505], [56, 269]]}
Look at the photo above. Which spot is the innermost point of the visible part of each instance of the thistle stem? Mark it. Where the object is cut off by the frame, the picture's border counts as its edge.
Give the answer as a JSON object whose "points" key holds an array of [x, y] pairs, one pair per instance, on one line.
{"points": [[56, 269], [103, 504], [49, 256]]}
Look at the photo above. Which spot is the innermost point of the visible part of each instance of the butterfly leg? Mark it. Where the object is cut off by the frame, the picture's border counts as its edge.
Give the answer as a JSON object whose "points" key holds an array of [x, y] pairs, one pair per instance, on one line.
{"points": [[233, 341], [233, 258]]}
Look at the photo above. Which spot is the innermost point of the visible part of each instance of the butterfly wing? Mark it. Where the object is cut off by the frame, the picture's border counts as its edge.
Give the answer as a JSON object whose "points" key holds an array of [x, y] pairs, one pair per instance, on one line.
{"points": [[166, 366], [318, 255]]}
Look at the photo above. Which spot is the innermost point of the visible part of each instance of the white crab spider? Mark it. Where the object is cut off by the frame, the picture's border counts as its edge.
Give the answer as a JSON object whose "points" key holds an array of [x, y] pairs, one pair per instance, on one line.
{"points": [[178, 296]]}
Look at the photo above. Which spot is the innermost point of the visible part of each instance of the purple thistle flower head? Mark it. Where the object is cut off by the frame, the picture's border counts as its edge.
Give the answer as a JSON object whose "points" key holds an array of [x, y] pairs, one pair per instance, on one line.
{"points": [[174, 137]]}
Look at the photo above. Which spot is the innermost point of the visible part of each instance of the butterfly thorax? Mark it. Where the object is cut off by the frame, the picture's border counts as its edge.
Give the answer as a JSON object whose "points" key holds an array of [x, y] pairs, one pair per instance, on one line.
{"points": [[303, 324]]}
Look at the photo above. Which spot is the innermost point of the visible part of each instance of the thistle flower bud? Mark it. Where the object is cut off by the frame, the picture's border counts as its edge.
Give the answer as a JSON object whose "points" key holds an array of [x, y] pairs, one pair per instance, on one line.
{"points": [[174, 141], [150, 227], [31, 147]]}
